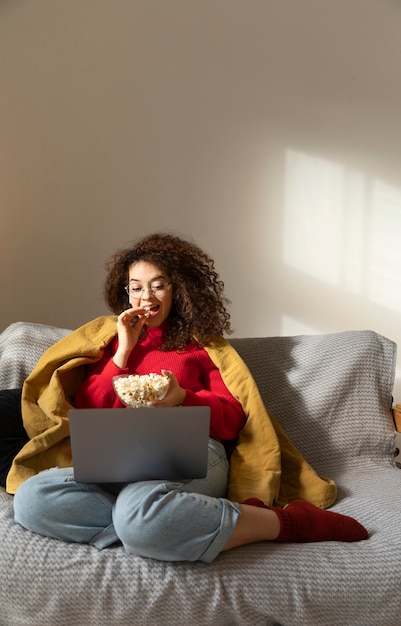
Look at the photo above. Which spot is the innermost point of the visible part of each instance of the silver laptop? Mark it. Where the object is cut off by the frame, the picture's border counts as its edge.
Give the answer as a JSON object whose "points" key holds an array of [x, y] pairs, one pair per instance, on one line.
{"points": [[127, 445]]}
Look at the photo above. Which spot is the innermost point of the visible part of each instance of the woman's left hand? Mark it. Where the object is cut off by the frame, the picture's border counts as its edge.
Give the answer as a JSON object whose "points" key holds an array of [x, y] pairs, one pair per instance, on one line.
{"points": [[175, 394]]}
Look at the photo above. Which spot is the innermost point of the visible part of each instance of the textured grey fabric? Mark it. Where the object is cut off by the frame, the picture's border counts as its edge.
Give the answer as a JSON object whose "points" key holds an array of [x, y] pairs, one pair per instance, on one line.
{"points": [[332, 394], [21, 345]]}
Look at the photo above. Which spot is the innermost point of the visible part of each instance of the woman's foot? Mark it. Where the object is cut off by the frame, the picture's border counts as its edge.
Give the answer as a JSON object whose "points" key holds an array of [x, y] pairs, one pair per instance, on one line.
{"points": [[303, 522]]}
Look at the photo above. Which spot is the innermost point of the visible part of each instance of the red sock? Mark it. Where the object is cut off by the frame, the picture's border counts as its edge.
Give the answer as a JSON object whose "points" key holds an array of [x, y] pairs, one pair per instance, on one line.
{"points": [[303, 522]]}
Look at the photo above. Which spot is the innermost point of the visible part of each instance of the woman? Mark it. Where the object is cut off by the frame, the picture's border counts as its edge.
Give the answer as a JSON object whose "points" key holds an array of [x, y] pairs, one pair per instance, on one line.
{"points": [[176, 310]]}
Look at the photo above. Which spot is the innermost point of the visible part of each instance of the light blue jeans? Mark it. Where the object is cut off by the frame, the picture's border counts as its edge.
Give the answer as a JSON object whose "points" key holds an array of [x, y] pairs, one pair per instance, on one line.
{"points": [[169, 521]]}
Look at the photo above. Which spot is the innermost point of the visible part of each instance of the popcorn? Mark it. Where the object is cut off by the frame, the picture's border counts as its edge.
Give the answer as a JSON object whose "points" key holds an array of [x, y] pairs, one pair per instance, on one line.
{"points": [[135, 390]]}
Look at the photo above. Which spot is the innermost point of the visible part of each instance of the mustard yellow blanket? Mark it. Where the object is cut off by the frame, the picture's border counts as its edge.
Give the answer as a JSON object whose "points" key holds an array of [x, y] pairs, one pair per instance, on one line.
{"points": [[264, 464]]}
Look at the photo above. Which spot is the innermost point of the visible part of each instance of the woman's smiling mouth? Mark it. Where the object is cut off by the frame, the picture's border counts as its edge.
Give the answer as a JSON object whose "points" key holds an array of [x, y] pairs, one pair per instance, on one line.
{"points": [[151, 311]]}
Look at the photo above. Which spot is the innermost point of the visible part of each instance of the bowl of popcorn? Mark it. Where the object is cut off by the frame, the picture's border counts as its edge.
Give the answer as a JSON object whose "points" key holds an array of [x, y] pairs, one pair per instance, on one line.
{"points": [[136, 390]]}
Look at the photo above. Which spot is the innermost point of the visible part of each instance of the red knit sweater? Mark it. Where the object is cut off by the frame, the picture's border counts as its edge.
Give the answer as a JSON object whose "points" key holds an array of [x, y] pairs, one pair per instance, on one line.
{"points": [[193, 368]]}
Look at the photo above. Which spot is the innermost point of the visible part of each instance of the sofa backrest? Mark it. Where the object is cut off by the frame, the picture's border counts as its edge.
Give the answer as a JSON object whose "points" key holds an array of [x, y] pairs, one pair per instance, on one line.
{"points": [[21, 346], [331, 393]]}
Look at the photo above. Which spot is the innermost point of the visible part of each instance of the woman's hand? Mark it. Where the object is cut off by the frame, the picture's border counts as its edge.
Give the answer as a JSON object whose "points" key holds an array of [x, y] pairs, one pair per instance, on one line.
{"points": [[128, 335], [175, 394]]}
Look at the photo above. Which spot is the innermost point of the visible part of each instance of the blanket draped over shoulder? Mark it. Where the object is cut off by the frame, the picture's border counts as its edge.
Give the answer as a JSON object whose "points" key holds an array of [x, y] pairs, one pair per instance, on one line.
{"points": [[264, 464]]}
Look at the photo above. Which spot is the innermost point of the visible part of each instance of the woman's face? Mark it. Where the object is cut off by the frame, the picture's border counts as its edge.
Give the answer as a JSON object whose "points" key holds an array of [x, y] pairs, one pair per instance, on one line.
{"points": [[150, 288]]}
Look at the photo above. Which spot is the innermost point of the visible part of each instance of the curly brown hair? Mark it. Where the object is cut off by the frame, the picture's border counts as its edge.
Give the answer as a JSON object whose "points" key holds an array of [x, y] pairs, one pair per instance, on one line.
{"points": [[199, 304]]}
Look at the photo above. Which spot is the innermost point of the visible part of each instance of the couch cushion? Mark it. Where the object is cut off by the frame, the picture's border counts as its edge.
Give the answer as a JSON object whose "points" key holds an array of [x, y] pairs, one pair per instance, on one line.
{"points": [[322, 387]]}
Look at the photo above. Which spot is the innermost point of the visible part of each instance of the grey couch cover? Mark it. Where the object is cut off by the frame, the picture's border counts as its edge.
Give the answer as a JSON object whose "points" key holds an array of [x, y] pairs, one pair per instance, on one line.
{"points": [[332, 394]]}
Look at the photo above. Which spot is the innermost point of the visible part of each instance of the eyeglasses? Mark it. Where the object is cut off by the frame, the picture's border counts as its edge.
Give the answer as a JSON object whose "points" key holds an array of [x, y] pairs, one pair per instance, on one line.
{"points": [[156, 287]]}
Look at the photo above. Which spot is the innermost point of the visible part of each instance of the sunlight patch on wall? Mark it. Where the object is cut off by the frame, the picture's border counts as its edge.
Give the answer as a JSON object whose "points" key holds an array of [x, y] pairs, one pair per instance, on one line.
{"points": [[341, 228], [385, 251]]}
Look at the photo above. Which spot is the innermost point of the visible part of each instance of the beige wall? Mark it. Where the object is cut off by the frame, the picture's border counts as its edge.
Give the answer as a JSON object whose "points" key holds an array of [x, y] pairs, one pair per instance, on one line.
{"points": [[269, 130]]}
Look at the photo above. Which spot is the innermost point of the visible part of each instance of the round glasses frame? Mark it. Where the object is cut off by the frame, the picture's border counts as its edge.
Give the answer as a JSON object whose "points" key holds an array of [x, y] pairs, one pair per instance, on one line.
{"points": [[158, 288]]}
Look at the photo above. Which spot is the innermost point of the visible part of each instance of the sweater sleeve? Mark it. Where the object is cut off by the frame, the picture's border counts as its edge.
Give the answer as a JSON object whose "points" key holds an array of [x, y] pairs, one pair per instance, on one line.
{"points": [[227, 417], [97, 389]]}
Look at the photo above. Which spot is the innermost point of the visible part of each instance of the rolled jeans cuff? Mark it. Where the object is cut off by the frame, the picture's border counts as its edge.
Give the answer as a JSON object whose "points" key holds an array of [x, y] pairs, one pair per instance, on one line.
{"points": [[229, 518]]}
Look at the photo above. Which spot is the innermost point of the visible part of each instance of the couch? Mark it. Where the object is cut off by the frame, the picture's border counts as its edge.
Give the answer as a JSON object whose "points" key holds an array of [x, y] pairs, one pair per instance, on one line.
{"points": [[333, 395]]}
